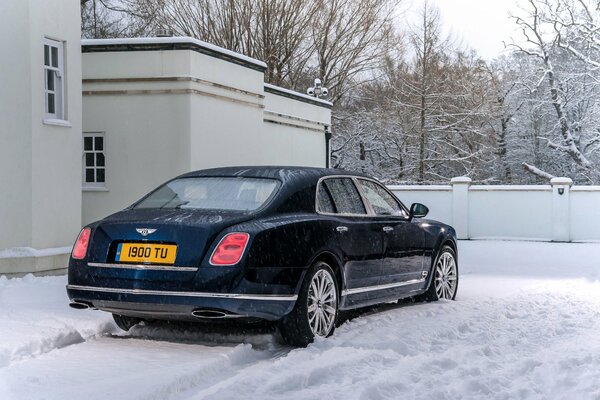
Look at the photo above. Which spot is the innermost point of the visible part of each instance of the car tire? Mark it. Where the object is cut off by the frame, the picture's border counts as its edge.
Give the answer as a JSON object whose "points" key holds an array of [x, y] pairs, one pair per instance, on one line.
{"points": [[316, 309], [444, 282], [125, 323]]}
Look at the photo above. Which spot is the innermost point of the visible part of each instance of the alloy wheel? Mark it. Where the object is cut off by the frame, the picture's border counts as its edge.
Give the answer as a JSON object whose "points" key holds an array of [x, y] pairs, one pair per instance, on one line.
{"points": [[322, 303], [446, 277]]}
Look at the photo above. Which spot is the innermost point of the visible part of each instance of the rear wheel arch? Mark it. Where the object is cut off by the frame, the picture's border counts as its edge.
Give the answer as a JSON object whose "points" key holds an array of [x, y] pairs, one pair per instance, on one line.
{"points": [[334, 263]]}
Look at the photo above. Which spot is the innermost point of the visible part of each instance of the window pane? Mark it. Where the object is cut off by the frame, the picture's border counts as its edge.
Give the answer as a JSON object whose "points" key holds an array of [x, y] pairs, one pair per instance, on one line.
{"points": [[100, 175], [346, 198], [89, 159], [50, 79], [89, 175], [51, 107], [383, 203], [325, 202], [87, 143], [54, 56], [99, 142], [203, 193], [46, 55], [99, 160]]}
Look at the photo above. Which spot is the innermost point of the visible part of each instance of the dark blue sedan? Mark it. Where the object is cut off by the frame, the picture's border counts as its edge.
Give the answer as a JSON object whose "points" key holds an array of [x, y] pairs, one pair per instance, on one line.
{"points": [[288, 244]]}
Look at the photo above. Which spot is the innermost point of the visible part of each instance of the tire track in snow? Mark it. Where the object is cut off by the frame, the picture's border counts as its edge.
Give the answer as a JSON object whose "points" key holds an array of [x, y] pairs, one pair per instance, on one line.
{"points": [[60, 339], [125, 366], [532, 343], [253, 345]]}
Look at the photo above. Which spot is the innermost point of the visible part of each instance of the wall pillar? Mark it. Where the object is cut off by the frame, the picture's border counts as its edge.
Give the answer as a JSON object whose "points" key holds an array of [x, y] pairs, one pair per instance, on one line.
{"points": [[460, 206], [561, 224]]}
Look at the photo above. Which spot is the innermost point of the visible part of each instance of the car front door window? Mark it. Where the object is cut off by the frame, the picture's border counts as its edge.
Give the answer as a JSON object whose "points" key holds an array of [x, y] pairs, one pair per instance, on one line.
{"points": [[382, 202]]}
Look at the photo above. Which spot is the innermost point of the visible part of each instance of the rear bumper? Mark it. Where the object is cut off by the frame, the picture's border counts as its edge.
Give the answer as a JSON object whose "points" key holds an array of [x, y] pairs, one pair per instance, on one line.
{"points": [[160, 304]]}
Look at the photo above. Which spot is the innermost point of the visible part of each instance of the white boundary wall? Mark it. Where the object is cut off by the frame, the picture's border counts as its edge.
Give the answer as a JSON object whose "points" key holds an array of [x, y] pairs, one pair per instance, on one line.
{"points": [[554, 212]]}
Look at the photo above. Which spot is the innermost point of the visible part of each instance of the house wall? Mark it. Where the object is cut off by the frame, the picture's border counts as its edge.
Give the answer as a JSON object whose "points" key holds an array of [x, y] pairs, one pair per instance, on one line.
{"points": [[56, 162], [39, 162], [166, 111], [15, 130], [145, 145], [293, 128]]}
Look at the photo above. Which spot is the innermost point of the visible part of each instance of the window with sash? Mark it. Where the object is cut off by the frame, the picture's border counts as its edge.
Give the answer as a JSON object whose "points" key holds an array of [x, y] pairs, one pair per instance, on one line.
{"points": [[94, 162], [54, 79]]}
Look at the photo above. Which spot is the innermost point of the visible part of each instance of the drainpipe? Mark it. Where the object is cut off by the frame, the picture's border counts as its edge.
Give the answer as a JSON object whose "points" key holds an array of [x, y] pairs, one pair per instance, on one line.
{"points": [[327, 146]]}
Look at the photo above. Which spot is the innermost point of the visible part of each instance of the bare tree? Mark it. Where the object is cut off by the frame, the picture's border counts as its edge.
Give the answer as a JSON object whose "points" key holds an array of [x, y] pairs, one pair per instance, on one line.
{"points": [[546, 41], [118, 18], [350, 38]]}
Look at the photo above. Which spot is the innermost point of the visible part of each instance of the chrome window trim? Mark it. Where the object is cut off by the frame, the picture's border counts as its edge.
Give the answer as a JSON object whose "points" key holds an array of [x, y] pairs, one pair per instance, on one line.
{"points": [[367, 208], [370, 213], [144, 267], [237, 296], [348, 292]]}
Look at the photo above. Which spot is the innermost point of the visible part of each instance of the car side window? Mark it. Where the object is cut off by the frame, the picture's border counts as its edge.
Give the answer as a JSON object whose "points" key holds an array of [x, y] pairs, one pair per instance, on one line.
{"points": [[345, 196], [324, 200], [381, 200]]}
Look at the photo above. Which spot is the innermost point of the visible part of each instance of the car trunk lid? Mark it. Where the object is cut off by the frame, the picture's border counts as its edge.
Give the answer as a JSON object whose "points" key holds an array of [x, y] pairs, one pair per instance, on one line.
{"points": [[191, 231]]}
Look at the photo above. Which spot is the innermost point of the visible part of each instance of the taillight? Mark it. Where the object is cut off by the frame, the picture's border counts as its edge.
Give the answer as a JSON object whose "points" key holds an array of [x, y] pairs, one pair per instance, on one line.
{"points": [[81, 245], [230, 249]]}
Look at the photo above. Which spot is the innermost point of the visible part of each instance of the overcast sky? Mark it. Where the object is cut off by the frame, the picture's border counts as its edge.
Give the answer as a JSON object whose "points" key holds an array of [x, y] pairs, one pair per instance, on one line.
{"points": [[481, 24]]}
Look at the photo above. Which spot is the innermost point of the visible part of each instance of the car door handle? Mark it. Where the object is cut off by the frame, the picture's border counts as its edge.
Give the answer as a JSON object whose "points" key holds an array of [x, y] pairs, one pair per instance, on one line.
{"points": [[342, 229], [387, 229]]}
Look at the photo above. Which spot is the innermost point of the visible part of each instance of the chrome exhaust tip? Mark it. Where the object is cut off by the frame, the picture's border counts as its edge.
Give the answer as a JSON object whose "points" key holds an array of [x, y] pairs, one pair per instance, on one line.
{"points": [[212, 314], [78, 305]]}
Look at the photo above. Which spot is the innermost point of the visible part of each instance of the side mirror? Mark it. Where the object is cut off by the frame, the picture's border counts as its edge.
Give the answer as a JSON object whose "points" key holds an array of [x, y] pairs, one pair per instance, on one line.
{"points": [[418, 210]]}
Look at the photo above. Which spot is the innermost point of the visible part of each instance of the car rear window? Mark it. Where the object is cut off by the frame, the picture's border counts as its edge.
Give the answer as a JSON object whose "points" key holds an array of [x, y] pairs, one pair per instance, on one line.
{"points": [[207, 193]]}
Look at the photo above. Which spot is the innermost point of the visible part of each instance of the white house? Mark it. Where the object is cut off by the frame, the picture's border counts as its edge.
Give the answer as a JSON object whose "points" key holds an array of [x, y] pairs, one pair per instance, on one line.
{"points": [[154, 108], [40, 133]]}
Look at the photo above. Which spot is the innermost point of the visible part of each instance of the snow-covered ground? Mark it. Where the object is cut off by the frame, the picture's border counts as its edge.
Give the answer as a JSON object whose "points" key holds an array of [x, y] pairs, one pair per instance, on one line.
{"points": [[525, 325]]}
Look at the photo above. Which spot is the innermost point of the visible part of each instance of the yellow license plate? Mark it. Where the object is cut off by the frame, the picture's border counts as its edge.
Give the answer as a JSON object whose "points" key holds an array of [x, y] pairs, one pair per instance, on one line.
{"points": [[146, 253]]}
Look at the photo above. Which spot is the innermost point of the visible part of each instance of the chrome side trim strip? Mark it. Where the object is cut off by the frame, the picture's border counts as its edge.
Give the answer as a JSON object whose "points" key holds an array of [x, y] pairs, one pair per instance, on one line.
{"points": [[238, 296], [144, 267], [348, 292]]}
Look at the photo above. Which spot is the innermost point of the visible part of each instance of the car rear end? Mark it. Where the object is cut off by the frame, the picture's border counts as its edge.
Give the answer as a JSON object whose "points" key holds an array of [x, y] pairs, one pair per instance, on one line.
{"points": [[185, 260]]}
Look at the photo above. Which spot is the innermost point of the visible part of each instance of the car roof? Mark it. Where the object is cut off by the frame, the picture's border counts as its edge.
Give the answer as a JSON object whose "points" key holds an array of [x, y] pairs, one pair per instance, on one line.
{"points": [[283, 173], [298, 190]]}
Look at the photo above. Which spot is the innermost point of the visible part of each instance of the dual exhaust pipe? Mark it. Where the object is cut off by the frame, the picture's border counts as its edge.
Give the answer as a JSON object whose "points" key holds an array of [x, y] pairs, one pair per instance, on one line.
{"points": [[198, 313]]}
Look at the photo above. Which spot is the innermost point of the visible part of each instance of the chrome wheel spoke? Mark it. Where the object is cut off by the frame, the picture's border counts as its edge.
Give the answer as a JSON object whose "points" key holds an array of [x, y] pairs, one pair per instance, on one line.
{"points": [[329, 310], [323, 324], [313, 290]]}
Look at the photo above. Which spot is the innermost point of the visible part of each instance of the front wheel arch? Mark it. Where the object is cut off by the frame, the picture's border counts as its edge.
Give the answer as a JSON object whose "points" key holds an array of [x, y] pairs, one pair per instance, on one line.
{"points": [[430, 293]]}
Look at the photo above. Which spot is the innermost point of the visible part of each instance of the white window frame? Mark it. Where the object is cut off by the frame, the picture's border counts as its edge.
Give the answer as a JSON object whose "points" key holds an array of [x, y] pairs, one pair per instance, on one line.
{"points": [[57, 117], [93, 186]]}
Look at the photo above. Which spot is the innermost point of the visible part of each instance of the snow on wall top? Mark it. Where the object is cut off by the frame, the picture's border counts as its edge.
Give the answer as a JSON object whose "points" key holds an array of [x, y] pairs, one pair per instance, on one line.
{"points": [[173, 40], [22, 252]]}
